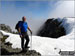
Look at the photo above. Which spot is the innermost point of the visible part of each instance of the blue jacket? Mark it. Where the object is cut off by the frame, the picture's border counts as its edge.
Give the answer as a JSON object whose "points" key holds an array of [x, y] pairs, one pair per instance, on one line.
{"points": [[23, 26]]}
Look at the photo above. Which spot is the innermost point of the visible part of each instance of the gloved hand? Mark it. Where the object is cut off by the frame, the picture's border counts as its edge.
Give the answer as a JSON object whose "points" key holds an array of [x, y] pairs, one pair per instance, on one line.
{"points": [[31, 32], [20, 34]]}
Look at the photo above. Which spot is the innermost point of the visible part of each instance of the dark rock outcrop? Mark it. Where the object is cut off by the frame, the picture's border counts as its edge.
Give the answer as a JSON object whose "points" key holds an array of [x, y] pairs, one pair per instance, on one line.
{"points": [[28, 53], [52, 28], [8, 43], [4, 52], [6, 49], [1, 36], [5, 28], [67, 53]]}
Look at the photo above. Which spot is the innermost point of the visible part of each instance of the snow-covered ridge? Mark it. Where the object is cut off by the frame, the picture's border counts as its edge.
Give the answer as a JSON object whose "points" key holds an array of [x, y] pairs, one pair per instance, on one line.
{"points": [[46, 45], [43, 45]]}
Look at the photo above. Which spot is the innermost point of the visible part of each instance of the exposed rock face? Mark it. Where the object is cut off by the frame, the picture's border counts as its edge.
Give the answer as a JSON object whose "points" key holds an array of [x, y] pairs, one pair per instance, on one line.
{"points": [[8, 50], [1, 36], [67, 53], [5, 28], [52, 28]]}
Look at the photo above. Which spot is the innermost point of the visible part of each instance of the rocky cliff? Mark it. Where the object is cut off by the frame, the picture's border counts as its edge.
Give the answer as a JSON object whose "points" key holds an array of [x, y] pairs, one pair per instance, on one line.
{"points": [[52, 28], [6, 49], [5, 28]]}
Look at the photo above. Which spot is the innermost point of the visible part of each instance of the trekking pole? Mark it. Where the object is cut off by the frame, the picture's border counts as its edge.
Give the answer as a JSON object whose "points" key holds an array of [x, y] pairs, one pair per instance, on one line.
{"points": [[31, 41]]}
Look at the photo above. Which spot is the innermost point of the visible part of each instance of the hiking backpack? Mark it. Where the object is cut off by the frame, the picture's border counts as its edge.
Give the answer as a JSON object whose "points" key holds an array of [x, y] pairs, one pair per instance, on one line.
{"points": [[17, 25]]}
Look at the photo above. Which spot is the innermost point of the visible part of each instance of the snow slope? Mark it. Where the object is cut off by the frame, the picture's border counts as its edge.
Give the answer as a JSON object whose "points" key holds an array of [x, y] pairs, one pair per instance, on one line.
{"points": [[46, 45], [42, 44]]}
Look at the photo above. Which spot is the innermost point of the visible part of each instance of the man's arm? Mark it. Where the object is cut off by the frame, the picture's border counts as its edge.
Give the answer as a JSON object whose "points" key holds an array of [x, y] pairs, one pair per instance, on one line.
{"points": [[29, 30], [19, 30]]}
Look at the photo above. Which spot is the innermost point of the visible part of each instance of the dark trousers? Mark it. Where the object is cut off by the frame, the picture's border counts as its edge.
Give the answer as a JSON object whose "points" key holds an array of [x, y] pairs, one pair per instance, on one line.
{"points": [[25, 37]]}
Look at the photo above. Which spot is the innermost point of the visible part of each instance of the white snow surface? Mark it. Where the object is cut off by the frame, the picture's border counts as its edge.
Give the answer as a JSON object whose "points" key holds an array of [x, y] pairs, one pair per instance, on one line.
{"points": [[45, 45]]}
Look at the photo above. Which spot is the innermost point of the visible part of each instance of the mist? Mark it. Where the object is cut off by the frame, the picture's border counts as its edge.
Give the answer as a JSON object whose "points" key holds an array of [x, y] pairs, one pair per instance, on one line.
{"points": [[11, 15], [63, 9], [35, 24]]}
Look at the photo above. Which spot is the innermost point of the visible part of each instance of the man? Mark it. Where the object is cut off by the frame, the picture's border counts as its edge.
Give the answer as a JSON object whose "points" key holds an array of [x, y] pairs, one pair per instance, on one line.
{"points": [[23, 26]]}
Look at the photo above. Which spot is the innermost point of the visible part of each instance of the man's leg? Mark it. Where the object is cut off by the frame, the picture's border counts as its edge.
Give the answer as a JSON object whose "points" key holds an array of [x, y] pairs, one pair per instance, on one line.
{"points": [[22, 43], [27, 41]]}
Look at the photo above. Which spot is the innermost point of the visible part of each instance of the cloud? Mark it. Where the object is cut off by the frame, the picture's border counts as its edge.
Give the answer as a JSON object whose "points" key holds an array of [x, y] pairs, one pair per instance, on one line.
{"points": [[63, 9], [11, 14], [35, 24]]}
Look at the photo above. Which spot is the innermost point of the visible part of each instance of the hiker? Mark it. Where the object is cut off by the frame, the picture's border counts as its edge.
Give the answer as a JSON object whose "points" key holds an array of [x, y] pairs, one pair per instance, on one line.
{"points": [[23, 26]]}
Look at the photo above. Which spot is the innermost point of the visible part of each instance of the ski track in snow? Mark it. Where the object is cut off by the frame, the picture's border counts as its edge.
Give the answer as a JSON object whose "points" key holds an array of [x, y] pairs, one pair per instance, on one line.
{"points": [[46, 45]]}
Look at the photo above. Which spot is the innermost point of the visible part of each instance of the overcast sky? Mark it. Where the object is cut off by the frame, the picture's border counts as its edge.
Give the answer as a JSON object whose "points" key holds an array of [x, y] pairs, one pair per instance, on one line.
{"points": [[36, 12]]}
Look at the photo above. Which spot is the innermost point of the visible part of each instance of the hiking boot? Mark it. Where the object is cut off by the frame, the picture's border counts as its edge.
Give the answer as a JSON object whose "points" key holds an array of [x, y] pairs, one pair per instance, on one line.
{"points": [[27, 47]]}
